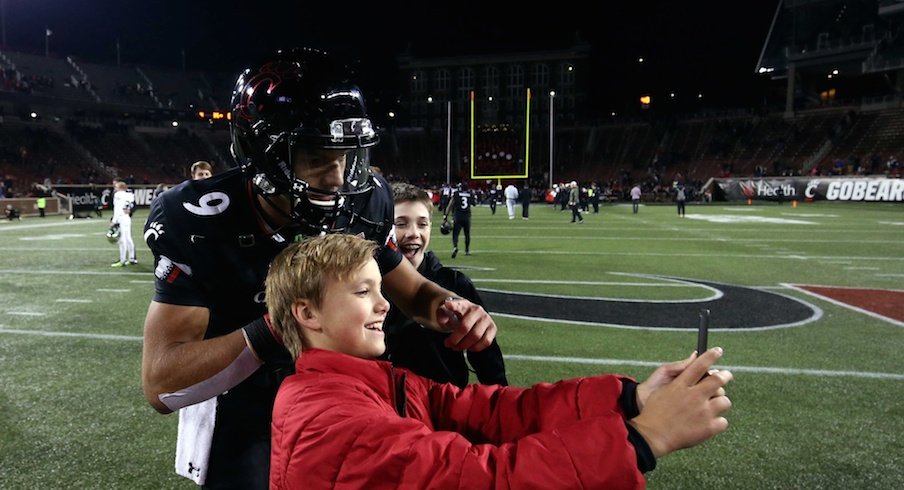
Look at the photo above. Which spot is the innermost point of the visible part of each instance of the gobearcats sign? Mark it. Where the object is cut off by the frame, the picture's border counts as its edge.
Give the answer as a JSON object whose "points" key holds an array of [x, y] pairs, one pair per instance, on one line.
{"points": [[879, 189]]}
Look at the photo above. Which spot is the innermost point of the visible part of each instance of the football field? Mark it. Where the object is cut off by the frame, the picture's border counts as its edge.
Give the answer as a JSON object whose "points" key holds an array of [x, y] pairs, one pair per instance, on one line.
{"points": [[807, 301]]}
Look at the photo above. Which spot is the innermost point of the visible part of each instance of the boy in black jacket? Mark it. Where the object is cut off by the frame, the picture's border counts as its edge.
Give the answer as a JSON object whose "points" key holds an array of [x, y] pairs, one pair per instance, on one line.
{"points": [[412, 346]]}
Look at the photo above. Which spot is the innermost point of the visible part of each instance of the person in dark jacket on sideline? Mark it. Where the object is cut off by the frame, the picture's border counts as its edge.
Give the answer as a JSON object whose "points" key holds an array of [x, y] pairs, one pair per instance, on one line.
{"points": [[408, 344], [346, 419], [525, 196]]}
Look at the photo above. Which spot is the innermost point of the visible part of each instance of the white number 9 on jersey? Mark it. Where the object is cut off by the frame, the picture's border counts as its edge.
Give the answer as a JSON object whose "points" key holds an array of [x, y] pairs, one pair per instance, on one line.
{"points": [[209, 204]]}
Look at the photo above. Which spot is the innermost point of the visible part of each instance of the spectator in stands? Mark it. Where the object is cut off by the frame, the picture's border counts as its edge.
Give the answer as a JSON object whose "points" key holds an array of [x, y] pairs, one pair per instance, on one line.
{"points": [[347, 420], [892, 165], [201, 170], [410, 345]]}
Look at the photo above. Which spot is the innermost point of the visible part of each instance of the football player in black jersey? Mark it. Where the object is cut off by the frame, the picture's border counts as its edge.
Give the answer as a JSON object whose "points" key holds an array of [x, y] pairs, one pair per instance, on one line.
{"points": [[460, 205], [300, 135]]}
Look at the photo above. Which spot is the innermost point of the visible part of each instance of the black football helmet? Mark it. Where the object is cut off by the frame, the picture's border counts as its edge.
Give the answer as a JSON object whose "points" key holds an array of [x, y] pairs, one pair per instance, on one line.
{"points": [[301, 100], [445, 228]]}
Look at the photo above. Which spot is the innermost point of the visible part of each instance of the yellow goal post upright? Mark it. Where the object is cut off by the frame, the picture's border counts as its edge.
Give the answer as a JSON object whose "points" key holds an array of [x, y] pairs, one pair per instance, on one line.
{"points": [[524, 173]]}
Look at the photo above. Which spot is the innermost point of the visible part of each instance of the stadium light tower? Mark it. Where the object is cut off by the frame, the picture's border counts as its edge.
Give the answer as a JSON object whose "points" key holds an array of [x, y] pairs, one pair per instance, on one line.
{"points": [[552, 103]]}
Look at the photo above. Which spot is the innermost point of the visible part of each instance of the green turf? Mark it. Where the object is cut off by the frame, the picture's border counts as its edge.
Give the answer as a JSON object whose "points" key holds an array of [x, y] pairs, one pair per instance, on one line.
{"points": [[72, 413]]}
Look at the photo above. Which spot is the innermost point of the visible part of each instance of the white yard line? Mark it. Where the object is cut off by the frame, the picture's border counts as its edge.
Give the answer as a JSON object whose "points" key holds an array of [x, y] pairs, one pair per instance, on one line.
{"points": [[29, 226], [44, 333], [520, 357], [110, 250], [586, 283], [74, 273], [678, 254], [737, 369], [683, 239]]}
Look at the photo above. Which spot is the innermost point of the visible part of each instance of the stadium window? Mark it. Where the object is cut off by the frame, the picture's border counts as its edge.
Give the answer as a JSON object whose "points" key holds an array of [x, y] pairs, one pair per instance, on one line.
{"points": [[515, 82], [566, 77], [441, 81], [516, 76], [541, 75], [418, 82], [465, 83], [491, 81]]}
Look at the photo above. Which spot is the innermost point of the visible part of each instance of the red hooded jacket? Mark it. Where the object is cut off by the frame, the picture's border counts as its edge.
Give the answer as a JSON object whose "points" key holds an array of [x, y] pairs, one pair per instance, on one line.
{"points": [[345, 422]]}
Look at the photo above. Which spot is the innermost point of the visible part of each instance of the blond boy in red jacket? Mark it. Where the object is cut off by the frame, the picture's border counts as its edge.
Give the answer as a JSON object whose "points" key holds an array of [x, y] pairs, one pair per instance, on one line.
{"points": [[347, 420]]}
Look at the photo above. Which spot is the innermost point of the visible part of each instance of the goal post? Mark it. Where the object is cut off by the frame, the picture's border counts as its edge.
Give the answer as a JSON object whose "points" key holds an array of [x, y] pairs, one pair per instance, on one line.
{"points": [[518, 173]]}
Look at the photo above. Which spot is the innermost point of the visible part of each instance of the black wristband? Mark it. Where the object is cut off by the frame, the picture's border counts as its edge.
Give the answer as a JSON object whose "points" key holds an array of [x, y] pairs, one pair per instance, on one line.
{"points": [[264, 344], [646, 461], [628, 399]]}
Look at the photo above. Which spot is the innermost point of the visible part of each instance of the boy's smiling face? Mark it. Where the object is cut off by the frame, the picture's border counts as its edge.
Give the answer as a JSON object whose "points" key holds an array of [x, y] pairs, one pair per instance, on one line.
{"points": [[412, 229], [350, 317]]}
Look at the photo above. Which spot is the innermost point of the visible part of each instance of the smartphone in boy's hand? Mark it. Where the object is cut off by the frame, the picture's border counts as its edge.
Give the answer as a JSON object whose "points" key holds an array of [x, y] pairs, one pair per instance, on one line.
{"points": [[703, 331]]}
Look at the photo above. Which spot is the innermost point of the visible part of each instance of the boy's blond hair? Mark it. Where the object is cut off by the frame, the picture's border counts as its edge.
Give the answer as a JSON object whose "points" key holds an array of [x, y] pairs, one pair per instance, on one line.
{"points": [[301, 272]]}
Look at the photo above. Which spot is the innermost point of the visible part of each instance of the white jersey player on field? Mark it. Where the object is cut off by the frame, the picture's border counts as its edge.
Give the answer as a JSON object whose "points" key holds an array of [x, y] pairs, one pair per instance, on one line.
{"points": [[123, 202]]}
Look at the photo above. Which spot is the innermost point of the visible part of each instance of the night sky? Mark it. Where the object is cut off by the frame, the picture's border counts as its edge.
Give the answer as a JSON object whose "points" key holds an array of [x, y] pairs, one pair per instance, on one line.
{"points": [[689, 46]]}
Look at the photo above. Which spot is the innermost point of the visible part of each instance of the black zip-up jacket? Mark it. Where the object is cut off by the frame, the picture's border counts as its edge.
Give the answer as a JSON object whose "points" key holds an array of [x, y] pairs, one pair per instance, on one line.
{"points": [[421, 350]]}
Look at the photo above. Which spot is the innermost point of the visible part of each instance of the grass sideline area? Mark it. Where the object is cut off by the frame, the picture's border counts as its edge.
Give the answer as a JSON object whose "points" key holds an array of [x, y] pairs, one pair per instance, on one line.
{"points": [[816, 405]]}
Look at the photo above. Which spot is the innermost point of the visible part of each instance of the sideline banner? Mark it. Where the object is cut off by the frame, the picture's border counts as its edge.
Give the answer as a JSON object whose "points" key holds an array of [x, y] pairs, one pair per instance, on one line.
{"points": [[87, 198], [871, 189]]}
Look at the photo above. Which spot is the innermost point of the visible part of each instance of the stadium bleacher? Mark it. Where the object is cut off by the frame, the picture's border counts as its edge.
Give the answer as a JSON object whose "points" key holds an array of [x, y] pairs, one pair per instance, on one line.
{"points": [[117, 121]]}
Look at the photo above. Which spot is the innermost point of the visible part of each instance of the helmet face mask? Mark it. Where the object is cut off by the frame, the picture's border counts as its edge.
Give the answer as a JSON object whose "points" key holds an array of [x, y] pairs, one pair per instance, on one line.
{"points": [[301, 101]]}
